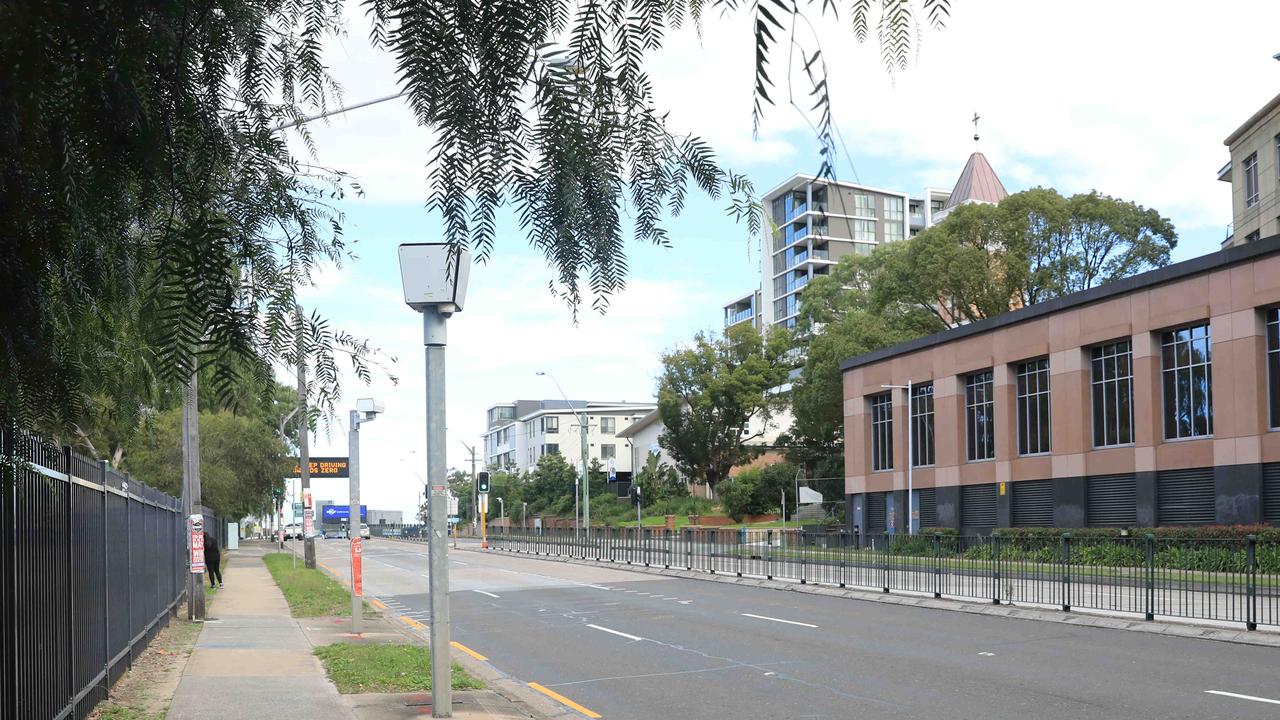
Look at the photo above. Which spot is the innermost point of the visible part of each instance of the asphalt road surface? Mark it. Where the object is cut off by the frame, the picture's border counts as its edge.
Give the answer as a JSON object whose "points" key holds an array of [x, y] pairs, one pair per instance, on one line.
{"points": [[629, 645]]}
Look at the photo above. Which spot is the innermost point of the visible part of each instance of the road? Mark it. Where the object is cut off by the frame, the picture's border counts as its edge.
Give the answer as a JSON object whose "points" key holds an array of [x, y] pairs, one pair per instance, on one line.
{"points": [[629, 645]]}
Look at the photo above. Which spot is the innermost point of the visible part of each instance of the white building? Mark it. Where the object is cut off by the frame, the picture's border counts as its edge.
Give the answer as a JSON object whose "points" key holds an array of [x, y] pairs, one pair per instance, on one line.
{"points": [[812, 222], [520, 432]]}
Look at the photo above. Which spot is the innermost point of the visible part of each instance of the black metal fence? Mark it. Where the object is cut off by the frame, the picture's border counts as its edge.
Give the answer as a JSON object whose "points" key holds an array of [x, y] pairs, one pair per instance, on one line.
{"points": [[1223, 580], [91, 564]]}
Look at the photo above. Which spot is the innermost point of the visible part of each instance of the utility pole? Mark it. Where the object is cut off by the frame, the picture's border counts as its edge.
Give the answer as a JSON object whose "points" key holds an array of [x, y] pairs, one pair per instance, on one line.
{"points": [[191, 488], [304, 456]]}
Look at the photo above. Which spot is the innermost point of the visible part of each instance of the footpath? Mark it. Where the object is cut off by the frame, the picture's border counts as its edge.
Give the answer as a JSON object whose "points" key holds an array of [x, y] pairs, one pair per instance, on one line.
{"points": [[253, 659]]}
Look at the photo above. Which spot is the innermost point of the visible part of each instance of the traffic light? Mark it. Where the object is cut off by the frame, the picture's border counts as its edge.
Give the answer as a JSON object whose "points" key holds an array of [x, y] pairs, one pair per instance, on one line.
{"points": [[482, 481]]}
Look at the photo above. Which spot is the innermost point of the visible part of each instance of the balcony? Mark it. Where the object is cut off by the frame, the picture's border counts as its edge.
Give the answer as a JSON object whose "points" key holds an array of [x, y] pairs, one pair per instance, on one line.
{"points": [[740, 316], [795, 210], [795, 283], [917, 219]]}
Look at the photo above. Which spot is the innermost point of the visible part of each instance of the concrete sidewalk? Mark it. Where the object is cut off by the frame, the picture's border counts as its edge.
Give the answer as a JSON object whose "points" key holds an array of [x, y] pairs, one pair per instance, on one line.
{"points": [[252, 658]]}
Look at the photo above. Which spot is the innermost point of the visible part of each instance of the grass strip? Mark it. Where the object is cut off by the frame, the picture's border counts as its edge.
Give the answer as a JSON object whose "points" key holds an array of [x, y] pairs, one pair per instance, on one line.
{"points": [[380, 668], [310, 593]]}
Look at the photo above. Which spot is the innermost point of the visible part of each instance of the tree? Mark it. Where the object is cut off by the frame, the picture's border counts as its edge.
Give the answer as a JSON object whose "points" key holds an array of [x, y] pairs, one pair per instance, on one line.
{"points": [[241, 460], [551, 485], [759, 490], [709, 391], [984, 260], [145, 175], [659, 481]]}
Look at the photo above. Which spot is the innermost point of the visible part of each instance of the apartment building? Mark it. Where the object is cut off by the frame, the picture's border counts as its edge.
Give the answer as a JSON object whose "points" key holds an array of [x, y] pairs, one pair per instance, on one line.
{"points": [[813, 222], [1254, 174], [519, 433], [1152, 400]]}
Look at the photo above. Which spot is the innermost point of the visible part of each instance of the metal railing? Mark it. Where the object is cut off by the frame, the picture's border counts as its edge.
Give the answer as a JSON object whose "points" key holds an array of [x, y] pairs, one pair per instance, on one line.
{"points": [[1233, 580], [91, 564]]}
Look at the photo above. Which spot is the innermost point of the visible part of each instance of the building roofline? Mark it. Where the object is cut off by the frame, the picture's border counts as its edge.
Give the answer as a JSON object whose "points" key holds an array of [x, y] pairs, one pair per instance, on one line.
{"points": [[1253, 120], [648, 419], [1160, 276], [842, 183]]}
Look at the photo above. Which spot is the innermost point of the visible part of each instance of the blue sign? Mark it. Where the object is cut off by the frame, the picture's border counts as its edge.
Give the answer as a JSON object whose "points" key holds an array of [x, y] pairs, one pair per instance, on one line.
{"points": [[335, 513]]}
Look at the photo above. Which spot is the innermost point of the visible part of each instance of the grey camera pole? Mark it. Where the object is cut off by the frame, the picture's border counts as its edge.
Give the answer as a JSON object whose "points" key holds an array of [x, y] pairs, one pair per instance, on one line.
{"points": [[433, 338], [353, 520]]}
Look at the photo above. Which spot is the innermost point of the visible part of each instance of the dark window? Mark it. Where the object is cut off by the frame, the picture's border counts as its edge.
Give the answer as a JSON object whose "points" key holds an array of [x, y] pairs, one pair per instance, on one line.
{"points": [[608, 425], [922, 424], [1032, 503], [978, 506], [1111, 501], [1033, 407], [877, 516], [979, 416], [551, 449], [882, 432], [1112, 370], [551, 424], [608, 450], [1251, 180], [1188, 383], [928, 507], [1273, 365], [1185, 497]]}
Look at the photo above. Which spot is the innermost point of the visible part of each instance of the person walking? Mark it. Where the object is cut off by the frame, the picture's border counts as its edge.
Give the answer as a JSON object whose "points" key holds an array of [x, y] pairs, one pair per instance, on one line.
{"points": [[213, 559]]}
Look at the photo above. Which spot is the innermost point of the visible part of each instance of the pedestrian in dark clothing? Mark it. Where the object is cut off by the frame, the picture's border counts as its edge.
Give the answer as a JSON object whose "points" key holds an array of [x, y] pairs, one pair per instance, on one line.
{"points": [[212, 558]]}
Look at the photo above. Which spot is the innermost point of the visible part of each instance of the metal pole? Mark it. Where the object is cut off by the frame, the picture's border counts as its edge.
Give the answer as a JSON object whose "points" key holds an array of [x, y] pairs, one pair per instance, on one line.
{"points": [[911, 525], [353, 520], [304, 458], [191, 480], [474, 493], [586, 485], [434, 340]]}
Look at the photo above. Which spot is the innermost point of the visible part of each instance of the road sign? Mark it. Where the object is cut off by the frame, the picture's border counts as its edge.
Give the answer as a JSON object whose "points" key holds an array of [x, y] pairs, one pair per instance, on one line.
{"points": [[297, 510], [613, 469], [323, 467], [196, 523], [308, 515], [453, 504], [484, 502], [335, 513], [357, 567]]}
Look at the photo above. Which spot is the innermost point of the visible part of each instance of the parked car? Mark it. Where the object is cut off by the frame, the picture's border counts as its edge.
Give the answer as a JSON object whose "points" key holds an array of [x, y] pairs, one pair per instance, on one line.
{"points": [[335, 533], [293, 531], [364, 530]]}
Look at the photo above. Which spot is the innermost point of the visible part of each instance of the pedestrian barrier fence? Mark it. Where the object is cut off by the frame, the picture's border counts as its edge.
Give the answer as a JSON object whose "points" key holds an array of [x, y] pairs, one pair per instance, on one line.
{"points": [[92, 563], [1235, 580]]}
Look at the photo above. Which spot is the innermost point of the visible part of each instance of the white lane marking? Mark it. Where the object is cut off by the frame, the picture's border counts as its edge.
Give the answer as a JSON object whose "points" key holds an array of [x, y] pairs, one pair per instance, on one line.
{"points": [[614, 632], [685, 602], [482, 592], [987, 654], [459, 562], [778, 620], [1243, 697]]}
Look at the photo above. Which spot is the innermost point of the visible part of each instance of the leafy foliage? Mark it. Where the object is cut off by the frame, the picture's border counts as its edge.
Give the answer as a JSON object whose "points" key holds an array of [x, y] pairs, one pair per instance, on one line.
{"points": [[709, 391], [759, 490], [659, 481]]}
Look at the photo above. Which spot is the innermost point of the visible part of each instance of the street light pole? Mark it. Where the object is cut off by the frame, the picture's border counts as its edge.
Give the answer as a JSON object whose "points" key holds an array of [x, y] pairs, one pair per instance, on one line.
{"points": [[586, 481], [911, 525], [366, 411], [502, 512]]}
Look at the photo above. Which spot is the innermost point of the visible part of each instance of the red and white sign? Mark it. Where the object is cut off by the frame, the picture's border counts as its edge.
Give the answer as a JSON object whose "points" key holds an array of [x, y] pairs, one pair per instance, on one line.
{"points": [[308, 516], [357, 571], [196, 523]]}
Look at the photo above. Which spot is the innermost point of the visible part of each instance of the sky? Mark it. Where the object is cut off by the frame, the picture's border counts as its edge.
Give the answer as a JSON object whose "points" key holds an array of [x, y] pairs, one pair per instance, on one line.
{"points": [[1092, 94]]}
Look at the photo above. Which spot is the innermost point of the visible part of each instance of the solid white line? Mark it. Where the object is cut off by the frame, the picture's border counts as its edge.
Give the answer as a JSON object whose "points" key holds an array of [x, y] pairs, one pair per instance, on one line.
{"points": [[615, 632], [482, 592], [780, 620], [1243, 697]]}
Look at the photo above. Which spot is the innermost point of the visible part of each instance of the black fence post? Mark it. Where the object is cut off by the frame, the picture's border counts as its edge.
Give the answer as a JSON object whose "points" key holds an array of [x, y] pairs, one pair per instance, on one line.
{"points": [[844, 550], [1066, 572], [741, 546], [1251, 559], [885, 537], [768, 555], [71, 576], [1149, 547], [9, 581], [688, 550], [995, 568], [711, 546], [804, 558], [937, 565], [106, 585]]}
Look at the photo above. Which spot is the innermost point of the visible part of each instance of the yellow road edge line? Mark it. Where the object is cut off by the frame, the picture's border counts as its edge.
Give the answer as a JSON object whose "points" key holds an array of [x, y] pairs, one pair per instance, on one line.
{"points": [[560, 698], [411, 622], [377, 603], [467, 650]]}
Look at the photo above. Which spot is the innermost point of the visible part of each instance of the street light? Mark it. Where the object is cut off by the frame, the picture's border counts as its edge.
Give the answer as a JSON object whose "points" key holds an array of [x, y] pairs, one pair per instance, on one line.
{"points": [[911, 521], [524, 512], [585, 491], [367, 410], [502, 513], [434, 276]]}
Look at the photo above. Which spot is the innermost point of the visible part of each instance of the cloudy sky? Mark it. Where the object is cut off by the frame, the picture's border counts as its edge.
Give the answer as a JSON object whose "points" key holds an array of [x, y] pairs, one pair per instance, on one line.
{"points": [[1131, 99]]}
